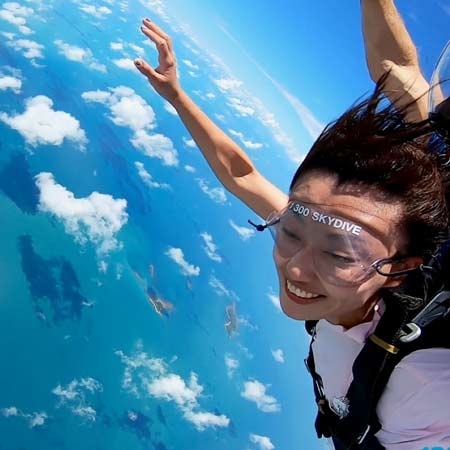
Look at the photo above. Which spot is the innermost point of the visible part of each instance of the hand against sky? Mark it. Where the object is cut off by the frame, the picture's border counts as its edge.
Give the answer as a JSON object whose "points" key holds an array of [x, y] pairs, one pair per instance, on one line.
{"points": [[164, 78]]}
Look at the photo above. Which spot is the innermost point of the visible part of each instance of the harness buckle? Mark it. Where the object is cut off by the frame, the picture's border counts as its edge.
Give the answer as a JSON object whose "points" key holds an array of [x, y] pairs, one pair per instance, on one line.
{"points": [[438, 307]]}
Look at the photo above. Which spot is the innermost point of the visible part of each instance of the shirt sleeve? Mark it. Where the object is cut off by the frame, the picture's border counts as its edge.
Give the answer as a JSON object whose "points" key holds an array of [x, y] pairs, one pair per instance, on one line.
{"points": [[414, 409]]}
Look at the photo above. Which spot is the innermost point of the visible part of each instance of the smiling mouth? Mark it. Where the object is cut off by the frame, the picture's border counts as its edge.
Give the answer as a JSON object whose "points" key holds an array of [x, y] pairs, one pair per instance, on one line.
{"points": [[300, 296]]}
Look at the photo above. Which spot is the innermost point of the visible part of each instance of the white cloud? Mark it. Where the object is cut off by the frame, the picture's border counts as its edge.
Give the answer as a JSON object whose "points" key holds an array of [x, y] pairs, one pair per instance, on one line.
{"points": [[220, 288], [16, 14], [242, 108], [96, 96], [232, 365], [210, 95], [228, 84], [278, 355], [189, 142], [125, 63], [139, 50], [116, 46], [156, 146], [96, 218], [98, 12], [189, 168], [8, 35], [203, 420], [190, 64], [244, 233], [255, 391], [263, 441], [148, 179], [216, 194], [274, 299], [247, 143], [170, 109], [35, 419], [74, 394], [210, 247], [177, 255], [8, 82], [157, 7], [40, 124], [29, 49], [156, 381], [127, 108], [78, 54]]}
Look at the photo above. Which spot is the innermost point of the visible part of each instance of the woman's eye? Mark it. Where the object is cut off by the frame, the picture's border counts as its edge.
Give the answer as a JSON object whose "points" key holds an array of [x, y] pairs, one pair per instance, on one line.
{"points": [[341, 258], [290, 234]]}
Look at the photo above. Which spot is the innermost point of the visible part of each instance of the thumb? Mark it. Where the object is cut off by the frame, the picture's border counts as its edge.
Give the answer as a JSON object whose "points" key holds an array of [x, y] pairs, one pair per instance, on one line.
{"points": [[146, 69]]}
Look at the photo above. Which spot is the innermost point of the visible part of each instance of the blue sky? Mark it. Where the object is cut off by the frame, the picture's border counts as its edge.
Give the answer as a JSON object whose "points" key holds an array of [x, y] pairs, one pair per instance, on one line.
{"points": [[313, 50], [271, 76]]}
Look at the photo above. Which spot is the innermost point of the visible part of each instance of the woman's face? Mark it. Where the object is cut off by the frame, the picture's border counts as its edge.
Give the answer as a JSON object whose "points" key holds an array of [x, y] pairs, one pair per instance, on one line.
{"points": [[300, 275]]}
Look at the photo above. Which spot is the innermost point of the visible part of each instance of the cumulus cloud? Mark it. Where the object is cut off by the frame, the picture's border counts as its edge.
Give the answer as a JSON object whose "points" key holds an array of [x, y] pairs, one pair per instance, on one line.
{"points": [[210, 247], [16, 14], [228, 84], [130, 110], [189, 143], [220, 288], [247, 143], [125, 63], [216, 194], [231, 364], [78, 54], [255, 392], [275, 300], [127, 108], [263, 441], [170, 109], [74, 396], [244, 233], [278, 355], [187, 269], [29, 49], [116, 46], [189, 168], [8, 82], [99, 12], [148, 179], [40, 124], [151, 376], [35, 419], [96, 218], [190, 64], [156, 146]]}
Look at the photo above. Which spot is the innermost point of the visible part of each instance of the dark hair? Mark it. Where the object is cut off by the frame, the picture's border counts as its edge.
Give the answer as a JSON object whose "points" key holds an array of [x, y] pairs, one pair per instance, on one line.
{"points": [[372, 147]]}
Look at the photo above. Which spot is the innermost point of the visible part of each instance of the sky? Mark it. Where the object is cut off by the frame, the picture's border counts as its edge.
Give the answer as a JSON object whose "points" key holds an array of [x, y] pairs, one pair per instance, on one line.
{"points": [[288, 67], [303, 59]]}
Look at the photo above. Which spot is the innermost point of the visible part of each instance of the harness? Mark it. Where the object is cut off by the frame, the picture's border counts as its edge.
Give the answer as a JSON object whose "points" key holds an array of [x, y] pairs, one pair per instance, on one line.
{"points": [[399, 332]]}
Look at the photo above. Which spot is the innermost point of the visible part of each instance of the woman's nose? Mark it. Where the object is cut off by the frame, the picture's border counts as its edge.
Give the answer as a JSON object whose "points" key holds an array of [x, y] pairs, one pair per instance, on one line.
{"points": [[300, 266]]}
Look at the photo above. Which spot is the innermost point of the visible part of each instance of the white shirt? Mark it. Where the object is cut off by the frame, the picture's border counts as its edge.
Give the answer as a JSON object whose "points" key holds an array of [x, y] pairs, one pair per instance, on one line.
{"points": [[414, 409]]}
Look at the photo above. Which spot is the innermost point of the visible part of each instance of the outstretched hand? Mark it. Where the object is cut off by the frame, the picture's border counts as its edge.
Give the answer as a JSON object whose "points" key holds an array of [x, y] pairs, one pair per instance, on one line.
{"points": [[164, 78]]}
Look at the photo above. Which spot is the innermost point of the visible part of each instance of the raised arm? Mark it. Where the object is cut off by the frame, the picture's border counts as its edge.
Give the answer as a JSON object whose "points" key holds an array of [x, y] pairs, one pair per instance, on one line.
{"points": [[389, 47], [230, 163]]}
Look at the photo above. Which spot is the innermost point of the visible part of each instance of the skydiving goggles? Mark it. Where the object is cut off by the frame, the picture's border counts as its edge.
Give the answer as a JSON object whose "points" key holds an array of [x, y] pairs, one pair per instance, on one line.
{"points": [[341, 252]]}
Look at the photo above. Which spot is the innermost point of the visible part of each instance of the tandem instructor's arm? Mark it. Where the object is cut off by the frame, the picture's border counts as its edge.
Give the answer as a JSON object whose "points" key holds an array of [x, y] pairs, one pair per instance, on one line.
{"points": [[389, 47], [230, 163]]}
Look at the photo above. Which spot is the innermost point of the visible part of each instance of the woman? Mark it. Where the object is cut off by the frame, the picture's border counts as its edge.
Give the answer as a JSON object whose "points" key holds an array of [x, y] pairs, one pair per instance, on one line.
{"points": [[368, 205]]}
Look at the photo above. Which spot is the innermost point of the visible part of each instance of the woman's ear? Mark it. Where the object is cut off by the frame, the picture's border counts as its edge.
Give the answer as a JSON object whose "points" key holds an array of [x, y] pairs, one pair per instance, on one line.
{"points": [[409, 263]]}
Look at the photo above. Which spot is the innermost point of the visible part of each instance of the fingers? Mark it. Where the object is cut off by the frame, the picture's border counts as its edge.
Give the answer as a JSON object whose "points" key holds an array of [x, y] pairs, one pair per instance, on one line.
{"points": [[146, 69], [162, 41], [152, 26]]}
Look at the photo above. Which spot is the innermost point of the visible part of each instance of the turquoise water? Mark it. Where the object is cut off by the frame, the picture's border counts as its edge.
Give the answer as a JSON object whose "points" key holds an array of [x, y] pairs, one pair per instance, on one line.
{"points": [[64, 320]]}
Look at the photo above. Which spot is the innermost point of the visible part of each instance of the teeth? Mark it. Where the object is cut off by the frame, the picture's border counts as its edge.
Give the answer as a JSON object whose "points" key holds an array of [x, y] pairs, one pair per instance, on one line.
{"points": [[298, 292]]}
